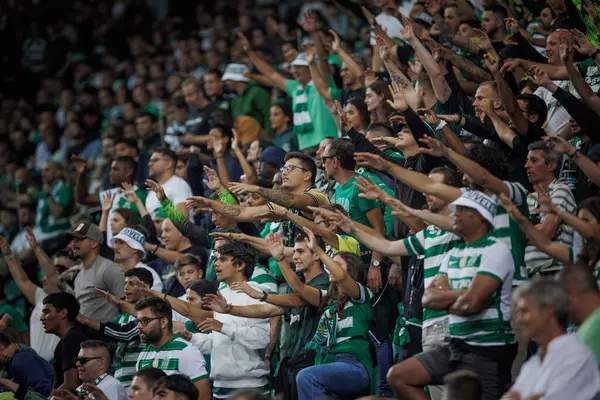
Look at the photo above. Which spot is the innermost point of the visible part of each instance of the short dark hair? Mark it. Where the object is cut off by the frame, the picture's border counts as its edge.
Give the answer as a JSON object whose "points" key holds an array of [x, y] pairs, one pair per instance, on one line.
{"points": [[488, 158], [131, 218], [179, 384], [64, 301], [97, 345], [129, 142], [189, 259], [160, 308], [384, 128], [535, 105], [343, 150], [129, 161], [550, 155], [4, 339], [212, 71], [225, 130], [240, 254], [148, 114], [204, 287], [463, 385], [498, 10], [306, 161], [150, 376], [473, 23], [168, 153], [142, 274], [451, 177]]}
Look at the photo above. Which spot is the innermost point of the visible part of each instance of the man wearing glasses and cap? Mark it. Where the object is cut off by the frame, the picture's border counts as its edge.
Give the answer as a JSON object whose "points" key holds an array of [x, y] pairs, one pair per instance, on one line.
{"points": [[97, 273], [474, 284]]}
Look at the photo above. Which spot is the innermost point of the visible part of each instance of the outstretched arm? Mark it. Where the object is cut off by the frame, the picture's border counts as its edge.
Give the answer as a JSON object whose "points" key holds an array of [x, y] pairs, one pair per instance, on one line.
{"points": [[236, 212], [27, 287], [262, 66], [281, 197]]}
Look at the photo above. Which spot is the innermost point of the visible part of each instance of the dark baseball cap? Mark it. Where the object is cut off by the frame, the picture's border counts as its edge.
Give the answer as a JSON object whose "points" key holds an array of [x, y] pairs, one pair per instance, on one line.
{"points": [[87, 231], [273, 155]]}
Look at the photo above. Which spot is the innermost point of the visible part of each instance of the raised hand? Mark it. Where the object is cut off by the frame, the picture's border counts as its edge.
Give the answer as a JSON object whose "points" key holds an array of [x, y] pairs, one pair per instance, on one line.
{"points": [[510, 65], [399, 102], [310, 56], [492, 63], [482, 40], [153, 186], [342, 115], [184, 333], [429, 116], [370, 160], [560, 144], [209, 324], [107, 201], [215, 302], [109, 296], [369, 16], [370, 190], [311, 240], [273, 216], [95, 391], [384, 50], [511, 208], [590, 8], [582, 43], [336, 44], [342, 222], [416, 68], [198, 202], [385, 140], [566, 52], [244, 287], [545, 204], [78, 164], [407, 32], [5, 247], [434, 147], [540, 77], [398, 208], [235, 141], [244, 42], [512, 25], [276, 246], [128, 192], [243, 188], [218, 148], [212, 182]]}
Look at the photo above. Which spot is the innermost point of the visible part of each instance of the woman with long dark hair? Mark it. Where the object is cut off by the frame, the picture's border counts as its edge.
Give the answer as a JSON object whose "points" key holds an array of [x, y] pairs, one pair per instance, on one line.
{"points": [[344, 364]]}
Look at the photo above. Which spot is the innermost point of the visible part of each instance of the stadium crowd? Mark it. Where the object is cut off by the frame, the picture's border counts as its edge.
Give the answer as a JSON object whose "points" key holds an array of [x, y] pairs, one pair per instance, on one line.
{"points": [[300, 199]]}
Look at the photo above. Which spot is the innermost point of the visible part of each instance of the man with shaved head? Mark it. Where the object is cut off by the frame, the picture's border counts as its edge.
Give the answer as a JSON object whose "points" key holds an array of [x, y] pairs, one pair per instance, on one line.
{"points": [[93, 363]]}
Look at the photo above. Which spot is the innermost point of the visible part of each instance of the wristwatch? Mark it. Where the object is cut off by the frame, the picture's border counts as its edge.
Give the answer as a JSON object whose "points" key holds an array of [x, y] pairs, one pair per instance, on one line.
{"points": [[376, 263]]}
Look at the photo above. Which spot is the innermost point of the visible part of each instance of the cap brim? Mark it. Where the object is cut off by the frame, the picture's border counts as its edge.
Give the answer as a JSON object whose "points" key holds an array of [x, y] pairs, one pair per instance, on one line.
{"points": [[75, 235], [234, 77]]}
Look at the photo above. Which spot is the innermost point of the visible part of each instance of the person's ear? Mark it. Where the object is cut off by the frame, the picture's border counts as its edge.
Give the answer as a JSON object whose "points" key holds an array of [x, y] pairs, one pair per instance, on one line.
{"points": [[497, 104]]}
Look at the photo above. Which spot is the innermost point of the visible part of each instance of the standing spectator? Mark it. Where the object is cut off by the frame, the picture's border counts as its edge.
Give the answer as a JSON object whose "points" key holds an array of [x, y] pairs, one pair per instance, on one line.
{"points": [[25, 370], [188, 269], [283, 129], [147, 130], [253, 100], [542, 167], [166, 350], [197, 125], [59, 318], [161, 168], [54, 206], [97, 273], [143, 382], [582, 287], [93, 363], [53, 147], [129, 253], [312, 120], [563, 367]]}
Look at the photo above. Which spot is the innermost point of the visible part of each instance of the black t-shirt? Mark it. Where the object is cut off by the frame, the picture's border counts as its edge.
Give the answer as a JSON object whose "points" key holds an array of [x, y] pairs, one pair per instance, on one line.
{"points": [[65, 353], [168, 274]]}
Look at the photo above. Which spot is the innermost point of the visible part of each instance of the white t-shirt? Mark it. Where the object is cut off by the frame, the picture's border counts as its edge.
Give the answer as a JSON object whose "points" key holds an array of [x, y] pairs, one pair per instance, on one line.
{"points": [[176, 189], [178, 317], [111, 387], [157, 282], [43, 343]]}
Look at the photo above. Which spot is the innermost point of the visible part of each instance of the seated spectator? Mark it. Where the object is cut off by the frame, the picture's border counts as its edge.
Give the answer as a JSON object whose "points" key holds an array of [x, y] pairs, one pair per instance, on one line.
{"points": [[176, 387], [462, 385], [59, 318], [129, 253], [93, 363], [143, 382], [563, 367], [97, 273], [26, 370], [166, 350]]}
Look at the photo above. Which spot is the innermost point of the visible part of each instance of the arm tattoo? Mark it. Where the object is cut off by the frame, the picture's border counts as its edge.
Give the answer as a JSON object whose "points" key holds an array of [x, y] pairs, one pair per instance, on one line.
{"points": [[397, 76], [281, 197], [232, 211]]}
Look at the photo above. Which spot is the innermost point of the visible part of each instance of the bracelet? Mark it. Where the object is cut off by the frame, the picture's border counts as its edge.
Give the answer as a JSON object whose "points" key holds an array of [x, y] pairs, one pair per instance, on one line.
{"points": [[165, 296], [595, 54], [229, 308], [576, 153], [281, 259], [264, 296], [153, 252]]}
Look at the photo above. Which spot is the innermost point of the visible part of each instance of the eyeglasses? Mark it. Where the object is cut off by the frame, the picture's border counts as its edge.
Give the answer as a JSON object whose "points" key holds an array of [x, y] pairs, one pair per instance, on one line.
{"points": [[146, 320], [85, 360], [325, 158], [290, 168], [154, 160]]}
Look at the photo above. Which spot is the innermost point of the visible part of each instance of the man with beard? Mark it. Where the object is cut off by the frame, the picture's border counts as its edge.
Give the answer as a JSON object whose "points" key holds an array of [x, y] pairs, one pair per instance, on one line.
{"points": [[96, 272], [166, 350], [161, 168], [59, 318]]}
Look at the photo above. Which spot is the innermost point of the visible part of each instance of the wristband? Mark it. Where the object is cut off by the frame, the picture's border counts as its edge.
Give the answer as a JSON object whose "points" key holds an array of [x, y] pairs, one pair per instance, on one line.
{"points": [[595, 54], [264, 296], [281, 259], [576, 153], [153, 252], [441, 125]]}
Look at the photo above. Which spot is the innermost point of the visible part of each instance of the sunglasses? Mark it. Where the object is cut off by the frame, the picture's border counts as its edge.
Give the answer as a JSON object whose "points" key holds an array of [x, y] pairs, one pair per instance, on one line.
{"points": [[85, 360], [325, 158]]}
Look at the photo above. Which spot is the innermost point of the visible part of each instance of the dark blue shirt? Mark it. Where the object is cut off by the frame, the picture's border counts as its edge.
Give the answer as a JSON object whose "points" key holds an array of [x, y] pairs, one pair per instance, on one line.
{"points": [[30, 370]]}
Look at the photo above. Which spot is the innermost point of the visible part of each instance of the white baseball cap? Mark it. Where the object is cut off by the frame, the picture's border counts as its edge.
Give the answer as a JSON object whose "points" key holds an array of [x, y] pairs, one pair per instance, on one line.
{"points": [[235, 72], [134, 239]]}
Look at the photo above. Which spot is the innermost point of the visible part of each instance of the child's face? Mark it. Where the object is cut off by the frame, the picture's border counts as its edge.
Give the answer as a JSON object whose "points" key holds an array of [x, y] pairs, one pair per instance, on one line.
{"points": [[193, 298], [188, 274]]}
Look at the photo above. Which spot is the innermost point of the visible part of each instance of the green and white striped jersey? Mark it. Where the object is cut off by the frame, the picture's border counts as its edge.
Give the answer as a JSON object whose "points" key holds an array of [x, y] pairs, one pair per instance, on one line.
{"points": [[431, 243], [510, 233], [264, 278], [486, 256], [174, 357], [127, 354]]}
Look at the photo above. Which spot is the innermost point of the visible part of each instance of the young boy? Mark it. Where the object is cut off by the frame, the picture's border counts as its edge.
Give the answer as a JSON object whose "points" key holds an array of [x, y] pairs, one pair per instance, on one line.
{"points": [[188, 269]]}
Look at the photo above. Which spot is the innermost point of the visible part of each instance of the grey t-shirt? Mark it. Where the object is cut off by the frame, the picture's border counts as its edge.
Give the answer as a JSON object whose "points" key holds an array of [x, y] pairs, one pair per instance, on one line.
{"points": [[102, 274]]}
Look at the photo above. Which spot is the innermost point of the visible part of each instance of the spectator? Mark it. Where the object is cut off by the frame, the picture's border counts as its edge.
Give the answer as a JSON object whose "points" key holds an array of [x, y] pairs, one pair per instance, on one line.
{"points": [[582, 287], [93, 363], [161, 168], [26, 370], [462, 385], [55, 205], [188, 269], [97, 273], [562, 367], [129, 253], [143, 382], [59, 318], [176, 387], [281, 123], [164, 349], [147, 131], [197, 125]]}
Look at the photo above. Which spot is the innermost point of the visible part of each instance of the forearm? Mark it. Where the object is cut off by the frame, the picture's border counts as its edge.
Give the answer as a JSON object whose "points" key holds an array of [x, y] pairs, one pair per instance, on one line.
{"points": [[81, 187], [286, 301], [502, 129], [320, 82], [422, 183], [246, 167], [375, 241], [169, 256], [509, 101], [453, 140], [183, 224], [321, 54], [355, 68], [438, 299], [184, 308], [275, 328], [261, 79], [45, 262], [586, 230], [267, 71], [589, 168], [104, 221], [439, 83], [583, 88], [235, 212], [477, 74], [585, 114], [256, 311], [444, 222], [222, 170], [309, 294], [91, 323], [555, 72], [403, 82]]}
